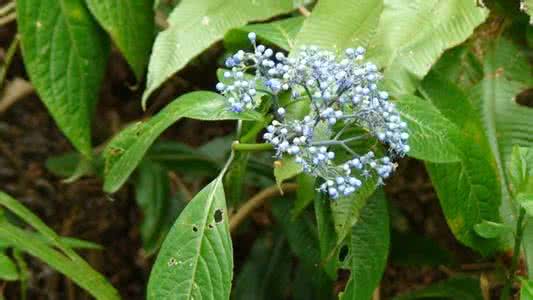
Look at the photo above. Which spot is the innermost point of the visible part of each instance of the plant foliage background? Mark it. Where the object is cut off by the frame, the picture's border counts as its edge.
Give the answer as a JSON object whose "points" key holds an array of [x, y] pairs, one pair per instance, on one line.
{"points": [[124, 175]]}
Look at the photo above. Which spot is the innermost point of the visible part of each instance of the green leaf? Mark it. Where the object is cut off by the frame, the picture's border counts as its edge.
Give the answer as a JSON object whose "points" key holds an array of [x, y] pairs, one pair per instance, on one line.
{"points": [[491, 230], [181, 158], [461, 66], [266, 271], [64, 259], [159, 208], [195, 25], [408, 42], [526, 202], [281, 33], [196, 258], [526, 291], [347, 210], [429, 131], [67, 165], [337, 25], [305, 194], [521, 170], [8, 269], [131, 26], [286, 168], [327, 237], [506, 124], [125, 151], [459, 287], [73, 267], [368, 249], [468, 190], [65, 55]]}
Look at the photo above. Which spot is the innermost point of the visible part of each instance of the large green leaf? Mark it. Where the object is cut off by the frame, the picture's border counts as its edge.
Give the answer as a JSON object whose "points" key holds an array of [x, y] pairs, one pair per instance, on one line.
{"points": [[412, 34], [506, 124], [347, 210], [368, 249], [468, 190], [460, 287], [125, 151], [430, 133], [194, 25], [196, 258], [340, 24], [131, 26], [327, 237], [65, 54], [280, 33], [52, 251]]}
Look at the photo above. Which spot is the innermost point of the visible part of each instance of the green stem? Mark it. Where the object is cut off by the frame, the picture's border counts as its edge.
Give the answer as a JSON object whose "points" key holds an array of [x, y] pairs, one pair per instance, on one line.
{"points": [[506, 291], [252, 147]]}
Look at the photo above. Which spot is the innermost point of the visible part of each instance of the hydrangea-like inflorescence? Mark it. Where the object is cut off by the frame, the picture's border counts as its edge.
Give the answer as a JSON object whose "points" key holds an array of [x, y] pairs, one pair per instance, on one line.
{"points": [[343, 93]]}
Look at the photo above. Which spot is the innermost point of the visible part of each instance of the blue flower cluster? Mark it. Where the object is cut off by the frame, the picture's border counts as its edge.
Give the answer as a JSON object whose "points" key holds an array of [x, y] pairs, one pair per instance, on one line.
{"points": [[343, 93]]}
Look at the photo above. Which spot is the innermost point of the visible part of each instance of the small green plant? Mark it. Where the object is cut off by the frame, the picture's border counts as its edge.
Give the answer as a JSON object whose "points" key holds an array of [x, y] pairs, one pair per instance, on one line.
{"points": [[327, 98]]}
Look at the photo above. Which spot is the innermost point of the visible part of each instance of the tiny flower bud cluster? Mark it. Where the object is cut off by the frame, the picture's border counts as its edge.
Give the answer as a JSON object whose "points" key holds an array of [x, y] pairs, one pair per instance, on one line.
{"points": [[343, 93]]}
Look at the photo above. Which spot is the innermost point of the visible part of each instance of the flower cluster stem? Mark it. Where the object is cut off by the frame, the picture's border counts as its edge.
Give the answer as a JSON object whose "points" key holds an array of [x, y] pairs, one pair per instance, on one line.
{"points": [[252, 147]]}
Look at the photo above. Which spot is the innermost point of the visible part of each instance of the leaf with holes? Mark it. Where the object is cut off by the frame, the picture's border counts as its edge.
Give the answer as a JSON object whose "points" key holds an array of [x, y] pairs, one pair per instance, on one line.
{"points": [[194, 25], [368, 249], [355, 22], [126, 150], [131, 26], [65, 54], [412, 35], [196, 258]]}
